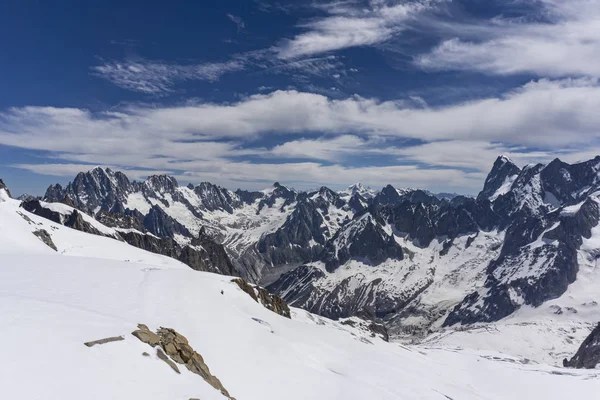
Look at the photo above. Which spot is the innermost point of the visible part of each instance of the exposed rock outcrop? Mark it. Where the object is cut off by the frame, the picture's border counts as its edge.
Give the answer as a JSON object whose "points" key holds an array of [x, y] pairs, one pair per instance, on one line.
{"points": [[262, 296], [175, 348], [103, 341], [375, 329], [35, 207], [161, 355], [3, 186], [362, 239], [588, 355], [45, 237]]}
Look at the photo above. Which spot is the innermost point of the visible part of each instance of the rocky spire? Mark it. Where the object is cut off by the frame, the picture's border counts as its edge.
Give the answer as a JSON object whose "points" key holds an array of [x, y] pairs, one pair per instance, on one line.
{"points": [[502, 172]]}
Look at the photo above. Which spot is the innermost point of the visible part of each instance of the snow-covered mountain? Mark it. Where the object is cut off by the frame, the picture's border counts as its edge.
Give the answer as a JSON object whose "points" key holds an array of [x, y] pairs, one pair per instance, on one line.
{"points": [[415, 260], [62, 288]]}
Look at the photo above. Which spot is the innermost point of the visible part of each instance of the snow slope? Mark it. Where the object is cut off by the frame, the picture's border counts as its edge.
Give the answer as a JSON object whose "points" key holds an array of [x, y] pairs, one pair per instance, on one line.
{"points": [[50, 303]]}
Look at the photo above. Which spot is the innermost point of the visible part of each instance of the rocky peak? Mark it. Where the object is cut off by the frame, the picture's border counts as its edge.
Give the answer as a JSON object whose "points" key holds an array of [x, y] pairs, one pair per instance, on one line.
{"points": [[4, 188], [214, 197], [54, 192], [569, 183], [279, 192], [97, 188], [327, 196], [363, 239], [359, 188], [418, 196], [25, 197], [358, 203], [162, 183], [388, 196], [248, 197], [503, 173], [356, 188]]}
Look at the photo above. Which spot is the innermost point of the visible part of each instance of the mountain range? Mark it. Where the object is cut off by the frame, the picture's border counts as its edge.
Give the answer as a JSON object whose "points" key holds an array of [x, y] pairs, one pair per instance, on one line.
{"points": [[412, 259], [88, 315]]}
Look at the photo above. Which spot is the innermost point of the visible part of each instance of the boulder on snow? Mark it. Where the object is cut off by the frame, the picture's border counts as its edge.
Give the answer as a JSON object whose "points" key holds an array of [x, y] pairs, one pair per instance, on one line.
{"points": [[175, 348], [588, 355]]}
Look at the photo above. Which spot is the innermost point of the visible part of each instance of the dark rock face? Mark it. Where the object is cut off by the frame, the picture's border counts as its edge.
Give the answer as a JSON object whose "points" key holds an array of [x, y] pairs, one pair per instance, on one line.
{"points": [[358, 203], [161, 184], [290, 244], [210, 257], [216, 255], [248, 197], [54, 192], [296, 286], [76, 221], [314, 220], [422, 223], [35, 207], [160, 224], [568, 182], [388, 196], [131, 220], [588, 355], [362, 239], [216, 198]]}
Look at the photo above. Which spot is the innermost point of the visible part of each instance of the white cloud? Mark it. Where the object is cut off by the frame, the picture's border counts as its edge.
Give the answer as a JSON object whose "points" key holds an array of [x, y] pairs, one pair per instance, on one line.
{"points": [[543, 113], [158, 77], [561, 39], [214, 140], [326, 149], [238, 21], [349, 24]]}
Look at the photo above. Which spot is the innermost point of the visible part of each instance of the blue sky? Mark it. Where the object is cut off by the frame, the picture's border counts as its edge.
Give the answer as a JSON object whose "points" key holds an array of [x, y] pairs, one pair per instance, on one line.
{"points": [[421, 93]]}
